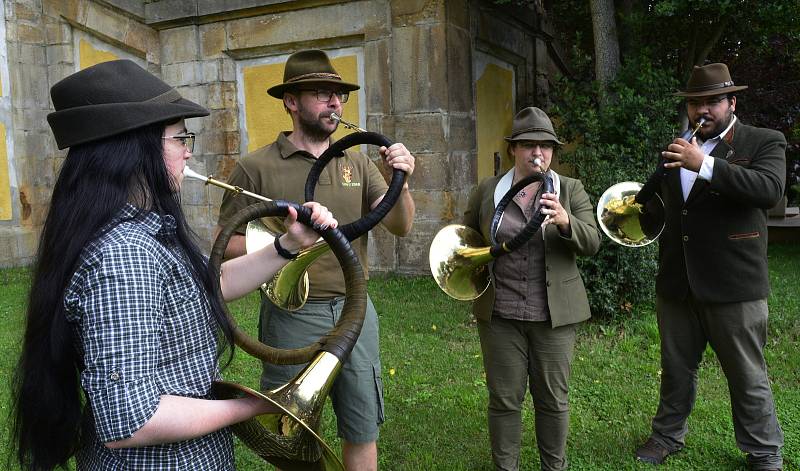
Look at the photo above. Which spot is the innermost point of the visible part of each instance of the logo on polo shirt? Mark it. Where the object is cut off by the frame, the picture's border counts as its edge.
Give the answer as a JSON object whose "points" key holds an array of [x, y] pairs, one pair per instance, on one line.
{"points": [[347, 177]]}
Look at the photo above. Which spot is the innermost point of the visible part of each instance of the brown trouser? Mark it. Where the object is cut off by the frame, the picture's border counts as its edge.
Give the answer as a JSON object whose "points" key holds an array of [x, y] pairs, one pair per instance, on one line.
{"points": [[737, 332], [518, 355]]}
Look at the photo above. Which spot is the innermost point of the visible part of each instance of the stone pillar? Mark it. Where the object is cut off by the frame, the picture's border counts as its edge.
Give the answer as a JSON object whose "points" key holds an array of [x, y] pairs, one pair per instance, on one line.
{"points": [[432, 113], [32, 161], [192, 61]]}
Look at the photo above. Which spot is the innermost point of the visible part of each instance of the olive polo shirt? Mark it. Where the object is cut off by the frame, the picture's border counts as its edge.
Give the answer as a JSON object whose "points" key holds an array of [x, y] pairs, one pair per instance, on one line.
{"points": [[347, 186]]}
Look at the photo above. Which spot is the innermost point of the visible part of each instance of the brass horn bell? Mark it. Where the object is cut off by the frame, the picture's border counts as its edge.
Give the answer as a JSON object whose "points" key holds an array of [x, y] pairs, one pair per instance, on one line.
{"points": [[627, 222], [631, 213], [288, 289], [459, 262]]}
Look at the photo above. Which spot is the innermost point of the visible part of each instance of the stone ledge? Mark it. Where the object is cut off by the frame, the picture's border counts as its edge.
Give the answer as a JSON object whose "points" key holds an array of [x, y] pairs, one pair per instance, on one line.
{"points": [[786, 228], [791, 218], [167, 13]]}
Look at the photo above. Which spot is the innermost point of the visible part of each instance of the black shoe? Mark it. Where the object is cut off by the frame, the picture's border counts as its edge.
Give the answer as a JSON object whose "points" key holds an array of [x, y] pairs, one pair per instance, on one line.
{"points": [[653, 452]]}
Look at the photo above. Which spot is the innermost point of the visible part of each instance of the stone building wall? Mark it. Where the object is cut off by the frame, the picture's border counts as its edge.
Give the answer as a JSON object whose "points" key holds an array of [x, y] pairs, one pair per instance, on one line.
{"points": [[418, 60]]}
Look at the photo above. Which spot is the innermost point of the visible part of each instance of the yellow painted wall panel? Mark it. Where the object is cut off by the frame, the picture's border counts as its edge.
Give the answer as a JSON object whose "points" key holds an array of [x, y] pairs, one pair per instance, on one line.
{"points": [[5, 185], [495, 113], [265, 116], [90, 55]]}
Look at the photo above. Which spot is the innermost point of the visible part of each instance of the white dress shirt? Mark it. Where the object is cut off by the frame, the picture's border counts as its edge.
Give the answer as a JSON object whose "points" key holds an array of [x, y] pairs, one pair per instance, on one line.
{"points": [[707, 168]]}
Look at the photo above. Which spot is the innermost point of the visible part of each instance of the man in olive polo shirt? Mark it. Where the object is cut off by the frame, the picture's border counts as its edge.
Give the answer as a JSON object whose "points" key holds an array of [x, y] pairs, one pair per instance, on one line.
{"points": [[350, 187]]}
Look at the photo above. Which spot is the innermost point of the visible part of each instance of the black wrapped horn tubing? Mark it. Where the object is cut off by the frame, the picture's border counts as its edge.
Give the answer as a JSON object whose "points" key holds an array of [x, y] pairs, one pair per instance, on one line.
{"points": [[534, 224], [342, 338], [356, 229]]}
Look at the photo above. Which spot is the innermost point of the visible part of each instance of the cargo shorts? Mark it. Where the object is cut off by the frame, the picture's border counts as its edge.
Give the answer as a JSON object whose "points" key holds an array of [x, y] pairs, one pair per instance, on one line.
{"points": [[357, 392]]}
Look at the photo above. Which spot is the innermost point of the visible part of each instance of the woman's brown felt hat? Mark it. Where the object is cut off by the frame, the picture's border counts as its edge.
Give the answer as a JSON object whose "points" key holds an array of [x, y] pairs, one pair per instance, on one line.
{"points": [[532, 124], [111, 98], [311, 66], [709, 80]]}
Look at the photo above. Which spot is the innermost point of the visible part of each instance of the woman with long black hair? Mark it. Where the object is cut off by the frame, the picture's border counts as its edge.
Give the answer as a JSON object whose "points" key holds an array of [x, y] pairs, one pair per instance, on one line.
{"points": [[124, 330]]}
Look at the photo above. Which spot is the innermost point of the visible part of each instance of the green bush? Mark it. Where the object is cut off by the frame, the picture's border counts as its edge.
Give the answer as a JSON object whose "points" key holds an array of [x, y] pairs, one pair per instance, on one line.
{"points": [[616, 135]]}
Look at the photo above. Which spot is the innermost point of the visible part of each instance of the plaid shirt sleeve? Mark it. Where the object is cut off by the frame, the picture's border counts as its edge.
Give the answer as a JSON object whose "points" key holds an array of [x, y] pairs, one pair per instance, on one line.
{"points": [[121, 302]]}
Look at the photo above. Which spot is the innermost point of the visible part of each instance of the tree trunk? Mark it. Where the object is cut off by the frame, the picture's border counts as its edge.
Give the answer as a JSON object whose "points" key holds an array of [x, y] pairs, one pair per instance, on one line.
{"points": [[711, 39], [606, 42], [627, 40], [697, 55]]}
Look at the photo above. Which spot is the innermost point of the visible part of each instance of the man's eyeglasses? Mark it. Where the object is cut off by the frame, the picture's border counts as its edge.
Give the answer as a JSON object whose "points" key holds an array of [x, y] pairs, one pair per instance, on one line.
{"points": [[710, 102], [187, 139], [324, 96]]}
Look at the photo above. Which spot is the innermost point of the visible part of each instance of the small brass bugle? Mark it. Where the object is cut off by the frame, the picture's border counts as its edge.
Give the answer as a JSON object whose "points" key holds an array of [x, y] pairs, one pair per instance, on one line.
{"points": [[347, 124]]}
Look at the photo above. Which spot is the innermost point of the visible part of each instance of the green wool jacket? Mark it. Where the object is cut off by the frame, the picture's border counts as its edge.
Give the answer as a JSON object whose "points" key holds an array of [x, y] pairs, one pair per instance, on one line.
{"points": [[714, 244], [566, 294]]}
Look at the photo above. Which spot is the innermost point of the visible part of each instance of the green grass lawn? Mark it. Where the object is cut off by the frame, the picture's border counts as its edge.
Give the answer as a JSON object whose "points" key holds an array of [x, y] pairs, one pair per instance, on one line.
{"points": [[436, 395]]}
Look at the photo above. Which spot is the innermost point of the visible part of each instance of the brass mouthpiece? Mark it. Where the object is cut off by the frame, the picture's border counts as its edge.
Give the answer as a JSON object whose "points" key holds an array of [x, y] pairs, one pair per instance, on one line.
{"points": [[696, 128], [346, 124], [187, 172]]}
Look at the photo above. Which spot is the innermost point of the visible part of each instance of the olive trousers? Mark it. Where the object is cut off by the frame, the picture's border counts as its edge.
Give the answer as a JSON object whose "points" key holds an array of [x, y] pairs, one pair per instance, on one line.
{"points": [[737, 332], [520, 356]]}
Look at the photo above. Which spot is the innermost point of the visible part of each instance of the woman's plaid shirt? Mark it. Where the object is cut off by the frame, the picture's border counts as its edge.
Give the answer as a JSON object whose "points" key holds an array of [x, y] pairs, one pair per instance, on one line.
{"points": [[144, 330]]}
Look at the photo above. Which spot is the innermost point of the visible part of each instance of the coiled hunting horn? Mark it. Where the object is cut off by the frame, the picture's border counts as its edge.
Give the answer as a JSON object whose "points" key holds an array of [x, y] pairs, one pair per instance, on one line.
{"points": [[457, 259], [289, 438], [289, 288], [356, 229]]}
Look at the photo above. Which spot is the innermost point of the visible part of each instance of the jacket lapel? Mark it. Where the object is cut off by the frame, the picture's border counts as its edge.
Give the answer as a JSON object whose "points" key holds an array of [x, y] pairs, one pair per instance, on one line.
{"points": [[698, 187], [673, 177], [487, 211]]}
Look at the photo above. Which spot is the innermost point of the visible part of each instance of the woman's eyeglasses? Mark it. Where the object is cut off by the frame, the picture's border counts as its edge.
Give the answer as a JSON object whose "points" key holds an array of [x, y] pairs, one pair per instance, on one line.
{"points": [[187, 139]]}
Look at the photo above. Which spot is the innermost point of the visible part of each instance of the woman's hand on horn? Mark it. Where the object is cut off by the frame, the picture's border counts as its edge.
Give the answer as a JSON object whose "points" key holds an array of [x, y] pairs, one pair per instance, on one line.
{"points": [[557, 214], [298, 235], [242, 275]]}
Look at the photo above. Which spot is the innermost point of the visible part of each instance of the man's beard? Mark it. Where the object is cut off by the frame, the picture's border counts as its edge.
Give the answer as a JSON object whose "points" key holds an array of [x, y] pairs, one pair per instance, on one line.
{"points": [[719, 126], [312, 126]]}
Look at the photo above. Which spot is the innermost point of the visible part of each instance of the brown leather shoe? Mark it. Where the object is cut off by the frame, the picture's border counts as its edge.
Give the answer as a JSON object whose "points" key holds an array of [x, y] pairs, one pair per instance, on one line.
{"points": [[653, 452]]}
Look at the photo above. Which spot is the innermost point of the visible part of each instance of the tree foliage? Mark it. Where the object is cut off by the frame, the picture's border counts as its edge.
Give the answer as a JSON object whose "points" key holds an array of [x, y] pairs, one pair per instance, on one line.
{"points": [[617, 142], [617, 131], [682, 33]]}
